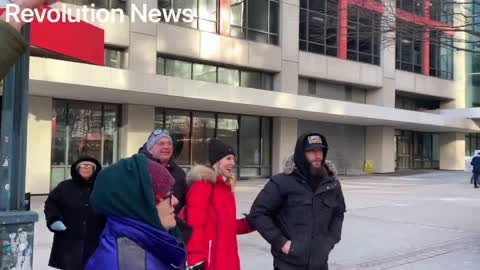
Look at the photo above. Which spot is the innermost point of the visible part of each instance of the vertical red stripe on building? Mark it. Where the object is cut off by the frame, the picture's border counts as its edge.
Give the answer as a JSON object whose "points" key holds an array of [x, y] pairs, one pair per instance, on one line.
{"points": [[343, 30], [426, 40], [224, 18]]}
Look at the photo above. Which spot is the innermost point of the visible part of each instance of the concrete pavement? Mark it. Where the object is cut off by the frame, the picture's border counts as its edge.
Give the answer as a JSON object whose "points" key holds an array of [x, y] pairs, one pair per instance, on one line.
{"points": [[399, 222]]}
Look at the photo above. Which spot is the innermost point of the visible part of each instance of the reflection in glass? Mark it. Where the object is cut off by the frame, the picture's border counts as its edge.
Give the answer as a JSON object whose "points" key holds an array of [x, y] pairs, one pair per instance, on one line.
{"points": [[205, 73], [178, 125], [249, 140], [177, 68], [203, 129], [251, 79], [228, 76]]}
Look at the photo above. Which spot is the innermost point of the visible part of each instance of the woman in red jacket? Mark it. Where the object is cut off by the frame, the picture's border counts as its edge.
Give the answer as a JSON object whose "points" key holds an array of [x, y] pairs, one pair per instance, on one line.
{"points": [[211, 212]]}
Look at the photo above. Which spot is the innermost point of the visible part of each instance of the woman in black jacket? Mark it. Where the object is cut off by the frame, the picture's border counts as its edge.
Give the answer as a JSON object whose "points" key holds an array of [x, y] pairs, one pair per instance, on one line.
{"points": [[76, 226]]}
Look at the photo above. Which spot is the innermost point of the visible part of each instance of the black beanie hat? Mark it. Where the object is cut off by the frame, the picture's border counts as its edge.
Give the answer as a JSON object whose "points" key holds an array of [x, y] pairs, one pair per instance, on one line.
{"points": [[218, 150]]}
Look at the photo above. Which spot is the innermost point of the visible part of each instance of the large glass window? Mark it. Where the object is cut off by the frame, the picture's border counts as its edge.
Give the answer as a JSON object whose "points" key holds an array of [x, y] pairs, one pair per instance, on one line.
{"points": [[413, 6], [408, 44], [416, 104], [204, 12], [363, 36], [442, 11], [255, 20], [79, 129], [215, 74], [472, 143], [249, 136], [115, 57], [319, 26], [441, 55]]}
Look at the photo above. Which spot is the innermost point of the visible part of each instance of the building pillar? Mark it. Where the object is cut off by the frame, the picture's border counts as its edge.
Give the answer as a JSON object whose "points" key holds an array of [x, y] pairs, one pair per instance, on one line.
{"points": [[142, 52], [138, 123], [285, 133], [287, 79], [380, 148], [39, 145], [426, 41], [343, 29], [385, 96], [452, 151]]}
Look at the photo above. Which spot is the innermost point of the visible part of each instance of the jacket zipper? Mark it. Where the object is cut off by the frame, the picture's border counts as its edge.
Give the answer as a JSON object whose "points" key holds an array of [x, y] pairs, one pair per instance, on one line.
{"points": [[209, 250]]}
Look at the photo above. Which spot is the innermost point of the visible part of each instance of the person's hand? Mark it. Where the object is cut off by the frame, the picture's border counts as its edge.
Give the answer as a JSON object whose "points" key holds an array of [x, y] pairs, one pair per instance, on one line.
{"points": [[25, 4], [286, 247], [58, 226]]}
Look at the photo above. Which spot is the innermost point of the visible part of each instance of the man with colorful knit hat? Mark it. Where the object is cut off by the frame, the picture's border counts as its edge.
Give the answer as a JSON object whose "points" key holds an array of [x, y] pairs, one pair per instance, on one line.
{"points": [[159, 148]]}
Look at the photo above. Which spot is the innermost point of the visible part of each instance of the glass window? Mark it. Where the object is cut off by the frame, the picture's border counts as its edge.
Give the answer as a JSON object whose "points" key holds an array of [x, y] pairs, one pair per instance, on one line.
{"points": [[177, 68], [115, 57], [229, 76], [211, 73], [413, 6], [251, 79], [250, 140], [363, 38], [227, 130], [441, 55], [82, 129], [205, 73], [203, 129], [255, 20], [249, 136], [409, 55], [161, 65], [178, 125], [319, 26]]}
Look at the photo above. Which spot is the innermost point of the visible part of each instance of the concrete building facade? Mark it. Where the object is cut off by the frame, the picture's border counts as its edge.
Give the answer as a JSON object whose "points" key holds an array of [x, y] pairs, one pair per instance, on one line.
{"points": [[256, 74]]}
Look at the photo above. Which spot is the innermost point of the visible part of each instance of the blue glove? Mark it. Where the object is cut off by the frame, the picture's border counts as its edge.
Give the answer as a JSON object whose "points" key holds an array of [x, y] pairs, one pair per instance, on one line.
{"points": [[58, 226]]}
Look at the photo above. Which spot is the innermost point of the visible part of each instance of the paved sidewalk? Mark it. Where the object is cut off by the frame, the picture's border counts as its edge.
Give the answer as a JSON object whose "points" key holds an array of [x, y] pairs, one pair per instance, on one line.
{"points": [[399, 222]]}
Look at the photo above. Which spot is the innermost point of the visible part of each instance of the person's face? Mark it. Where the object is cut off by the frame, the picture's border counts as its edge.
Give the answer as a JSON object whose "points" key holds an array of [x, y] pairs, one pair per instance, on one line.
{"points": [[166, 211], [163, 150], [226, 166], [315, 159], [86, 171]]}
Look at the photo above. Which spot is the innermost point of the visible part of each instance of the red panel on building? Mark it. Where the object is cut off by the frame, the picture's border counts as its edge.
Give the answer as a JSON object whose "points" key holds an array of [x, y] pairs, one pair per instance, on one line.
{"points": [[81, 41], [368, 5]]}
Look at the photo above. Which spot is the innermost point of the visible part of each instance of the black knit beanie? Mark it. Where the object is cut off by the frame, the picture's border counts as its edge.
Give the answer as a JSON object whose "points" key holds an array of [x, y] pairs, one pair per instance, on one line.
{"points": [[218, 150]]}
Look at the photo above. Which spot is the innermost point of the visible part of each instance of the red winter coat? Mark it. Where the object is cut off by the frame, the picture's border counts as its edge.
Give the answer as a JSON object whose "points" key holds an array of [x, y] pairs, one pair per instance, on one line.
{"points": [[211, 212]]}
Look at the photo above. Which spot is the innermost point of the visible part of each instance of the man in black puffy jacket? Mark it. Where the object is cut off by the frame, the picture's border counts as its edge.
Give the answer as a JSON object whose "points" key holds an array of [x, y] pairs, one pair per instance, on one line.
{"points": [[300, 211]]}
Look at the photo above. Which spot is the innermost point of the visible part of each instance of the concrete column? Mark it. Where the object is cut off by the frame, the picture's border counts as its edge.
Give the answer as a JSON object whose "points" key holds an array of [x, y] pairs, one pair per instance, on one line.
{"points": [[385, 96], [138, 123], [380, 148], [285, 133], [459, 61], [287, 79], [143, 41], [39, 145], [452, 151]]}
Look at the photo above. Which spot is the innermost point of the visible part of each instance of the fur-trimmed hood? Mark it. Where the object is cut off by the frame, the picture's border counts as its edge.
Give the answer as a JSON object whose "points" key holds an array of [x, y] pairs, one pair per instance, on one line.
{"points": [[201, 173], [289, 166]]}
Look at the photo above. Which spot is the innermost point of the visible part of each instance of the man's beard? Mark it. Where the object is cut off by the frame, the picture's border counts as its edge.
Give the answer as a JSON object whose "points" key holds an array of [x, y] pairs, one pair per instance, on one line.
{"points": [[316, 171]]}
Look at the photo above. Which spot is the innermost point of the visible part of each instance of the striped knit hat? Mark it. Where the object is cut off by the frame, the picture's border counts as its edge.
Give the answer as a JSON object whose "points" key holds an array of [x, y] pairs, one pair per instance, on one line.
{"points": [[162, 180]]}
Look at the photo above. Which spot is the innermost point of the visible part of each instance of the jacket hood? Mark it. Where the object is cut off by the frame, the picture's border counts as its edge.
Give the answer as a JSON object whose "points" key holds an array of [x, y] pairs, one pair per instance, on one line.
{"points": [[201, 173], [77, 177], [124, 189], [299, 155], [289, 166]]}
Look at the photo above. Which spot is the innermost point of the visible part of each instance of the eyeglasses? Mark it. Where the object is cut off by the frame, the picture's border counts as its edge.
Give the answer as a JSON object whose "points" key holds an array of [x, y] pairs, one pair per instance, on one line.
{"points": [[159, 198], [86, 166]]}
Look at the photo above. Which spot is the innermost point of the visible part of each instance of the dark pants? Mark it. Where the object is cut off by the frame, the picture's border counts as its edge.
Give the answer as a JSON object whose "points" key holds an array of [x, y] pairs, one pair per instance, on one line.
{"points": [[475, 178], [325, 267]]}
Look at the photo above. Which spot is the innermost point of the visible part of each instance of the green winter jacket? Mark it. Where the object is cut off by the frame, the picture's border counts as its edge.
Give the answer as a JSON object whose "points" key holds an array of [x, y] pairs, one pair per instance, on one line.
{"points": [[12, 46]]}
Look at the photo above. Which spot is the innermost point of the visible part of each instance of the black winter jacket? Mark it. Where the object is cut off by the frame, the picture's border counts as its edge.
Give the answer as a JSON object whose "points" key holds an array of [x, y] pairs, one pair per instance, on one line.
{"points": [[69, 202], [288, 209]]}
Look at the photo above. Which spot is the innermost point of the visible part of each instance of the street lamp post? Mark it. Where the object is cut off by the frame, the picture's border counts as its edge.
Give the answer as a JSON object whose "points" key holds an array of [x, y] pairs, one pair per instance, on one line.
{"points": [[17, 223]]}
